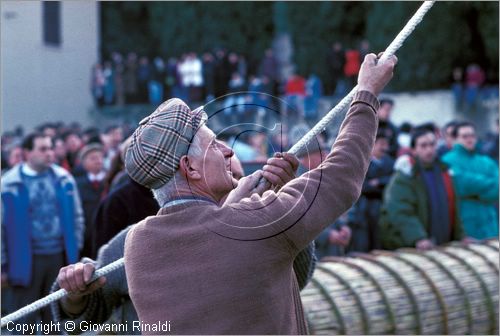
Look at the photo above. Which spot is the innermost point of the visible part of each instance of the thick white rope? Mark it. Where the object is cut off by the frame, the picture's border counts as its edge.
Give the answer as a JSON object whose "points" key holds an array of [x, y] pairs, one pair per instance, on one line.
{"points": [[318, 128], [344, 103]]}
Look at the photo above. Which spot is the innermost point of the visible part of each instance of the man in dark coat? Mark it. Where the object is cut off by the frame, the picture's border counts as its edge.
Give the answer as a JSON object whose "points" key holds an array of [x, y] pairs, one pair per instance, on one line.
{"points": [[363, 217], [91, 185], [127, 205], [386, 127], [420, 207], [335, 61]]}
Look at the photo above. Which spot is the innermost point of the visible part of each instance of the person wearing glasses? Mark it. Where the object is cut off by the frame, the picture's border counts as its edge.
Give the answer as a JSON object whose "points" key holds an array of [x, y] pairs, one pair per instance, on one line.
{"points": [[476, 179]]}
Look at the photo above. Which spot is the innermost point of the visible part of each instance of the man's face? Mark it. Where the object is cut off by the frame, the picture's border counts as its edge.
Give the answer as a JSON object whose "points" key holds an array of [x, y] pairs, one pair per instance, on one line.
{"points": [[60, 149], [50, 132], [214, 164], [93, 162], [15, 156], [237, 168], [235, 165], [42, 154], [384, 112], [116, 137], [380, 148], [425, 148], [466, 136]]}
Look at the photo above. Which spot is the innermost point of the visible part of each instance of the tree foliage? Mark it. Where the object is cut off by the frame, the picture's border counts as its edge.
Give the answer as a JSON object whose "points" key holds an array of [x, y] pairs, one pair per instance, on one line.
{"points": [[452, 33], [173, 28]]}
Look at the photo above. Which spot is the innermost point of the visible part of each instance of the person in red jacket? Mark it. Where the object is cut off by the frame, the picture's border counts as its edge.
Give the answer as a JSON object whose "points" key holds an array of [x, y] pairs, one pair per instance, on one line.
{"points": [[295, 91], [351, 67]]}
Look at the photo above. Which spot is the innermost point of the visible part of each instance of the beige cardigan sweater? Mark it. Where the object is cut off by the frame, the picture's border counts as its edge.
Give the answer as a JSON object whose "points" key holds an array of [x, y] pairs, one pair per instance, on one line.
{"points": [[206, 269]]}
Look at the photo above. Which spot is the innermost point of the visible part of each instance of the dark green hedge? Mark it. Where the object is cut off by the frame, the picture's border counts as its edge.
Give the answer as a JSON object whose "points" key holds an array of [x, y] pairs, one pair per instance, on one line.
{"points": [[452, 34]]}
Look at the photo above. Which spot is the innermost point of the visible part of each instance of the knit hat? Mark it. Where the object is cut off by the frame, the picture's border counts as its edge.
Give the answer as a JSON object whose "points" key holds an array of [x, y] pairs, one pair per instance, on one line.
{"points": [[159, 142], [88, 149]]}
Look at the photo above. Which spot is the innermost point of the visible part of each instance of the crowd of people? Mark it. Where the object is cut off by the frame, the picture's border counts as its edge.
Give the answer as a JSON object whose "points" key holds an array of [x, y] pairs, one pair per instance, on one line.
{"points": [[425, 186], [197, 78], [191, 77], [200, 78], [66, 193]]}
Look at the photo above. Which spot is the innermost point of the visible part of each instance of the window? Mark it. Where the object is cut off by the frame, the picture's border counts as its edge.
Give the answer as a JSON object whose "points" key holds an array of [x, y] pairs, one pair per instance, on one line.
{"points": [[51, 22]]}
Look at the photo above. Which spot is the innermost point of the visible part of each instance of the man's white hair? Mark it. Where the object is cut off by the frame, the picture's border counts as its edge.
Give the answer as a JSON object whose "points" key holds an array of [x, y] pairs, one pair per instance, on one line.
{"points": [[166, 191]]}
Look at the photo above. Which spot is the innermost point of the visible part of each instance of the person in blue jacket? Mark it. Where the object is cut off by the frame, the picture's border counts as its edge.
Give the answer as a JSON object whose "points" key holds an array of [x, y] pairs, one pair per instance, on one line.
{"points": [[42, 224]]}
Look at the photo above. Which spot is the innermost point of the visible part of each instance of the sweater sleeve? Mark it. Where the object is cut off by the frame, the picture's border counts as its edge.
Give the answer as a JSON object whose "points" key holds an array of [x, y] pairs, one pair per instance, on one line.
{"points": [[308, 204], [304, 265]]}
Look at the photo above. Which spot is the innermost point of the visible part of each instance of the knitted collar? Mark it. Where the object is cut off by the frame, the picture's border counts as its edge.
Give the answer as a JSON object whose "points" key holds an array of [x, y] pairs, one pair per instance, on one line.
{"points": [[186, 199]]}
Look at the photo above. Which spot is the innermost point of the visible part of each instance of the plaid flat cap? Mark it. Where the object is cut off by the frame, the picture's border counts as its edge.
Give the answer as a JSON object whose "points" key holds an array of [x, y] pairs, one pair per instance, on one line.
{"points": [[159, 142]]}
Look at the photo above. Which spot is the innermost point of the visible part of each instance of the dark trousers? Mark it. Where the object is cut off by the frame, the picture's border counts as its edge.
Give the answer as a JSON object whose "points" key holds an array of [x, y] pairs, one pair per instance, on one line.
{"points": [[45, 269]]}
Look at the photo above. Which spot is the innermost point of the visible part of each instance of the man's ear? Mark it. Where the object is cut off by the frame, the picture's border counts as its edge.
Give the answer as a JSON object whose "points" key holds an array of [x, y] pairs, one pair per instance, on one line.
{"points": [[187, 170]]}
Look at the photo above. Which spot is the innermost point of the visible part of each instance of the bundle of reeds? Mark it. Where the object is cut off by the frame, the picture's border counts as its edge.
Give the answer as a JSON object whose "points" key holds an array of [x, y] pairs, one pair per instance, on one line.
{"points": [[449, 290]]}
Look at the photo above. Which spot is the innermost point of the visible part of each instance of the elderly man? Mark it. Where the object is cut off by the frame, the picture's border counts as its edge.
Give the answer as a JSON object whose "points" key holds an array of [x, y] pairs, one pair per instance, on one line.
{"points": [[207, 266], [111, 303], [90, 186]]}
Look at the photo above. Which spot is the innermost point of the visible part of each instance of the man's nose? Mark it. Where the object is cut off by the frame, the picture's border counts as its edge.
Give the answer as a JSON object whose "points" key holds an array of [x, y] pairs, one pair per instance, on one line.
{"points": [[228, 152]]}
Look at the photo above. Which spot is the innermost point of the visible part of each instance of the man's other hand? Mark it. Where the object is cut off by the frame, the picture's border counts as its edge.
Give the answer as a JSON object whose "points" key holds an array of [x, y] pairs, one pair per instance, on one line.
{"points": [[280, 169], [424, 244]]}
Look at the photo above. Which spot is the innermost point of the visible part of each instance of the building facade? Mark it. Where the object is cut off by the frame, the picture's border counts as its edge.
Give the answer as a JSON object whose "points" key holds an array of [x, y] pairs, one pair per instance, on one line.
{"points": [[47, 51]]}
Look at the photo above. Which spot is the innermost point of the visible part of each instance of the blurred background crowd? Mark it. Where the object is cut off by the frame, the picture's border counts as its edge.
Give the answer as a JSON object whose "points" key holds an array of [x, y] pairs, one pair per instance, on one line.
{"points": [[95, 159], [266, 72], [133, 79]]}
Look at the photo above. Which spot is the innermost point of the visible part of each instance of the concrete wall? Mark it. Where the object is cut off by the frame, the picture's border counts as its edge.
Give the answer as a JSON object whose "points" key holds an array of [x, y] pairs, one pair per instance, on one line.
{"points": [[439, 107], [418, 108], [429, 106], [40, 82]]}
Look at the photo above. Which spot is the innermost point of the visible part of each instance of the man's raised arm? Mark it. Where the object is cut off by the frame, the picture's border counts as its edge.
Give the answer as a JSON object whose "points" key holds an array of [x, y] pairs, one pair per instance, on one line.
{"points": [[306, 205]]}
